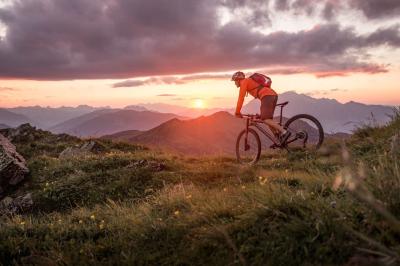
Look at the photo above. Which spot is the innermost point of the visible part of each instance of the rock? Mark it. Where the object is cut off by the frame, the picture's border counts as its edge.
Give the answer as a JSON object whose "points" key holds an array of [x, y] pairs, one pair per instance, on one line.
{"points": [[395, 144], [93, 146], [156, 166], [153, 165], [17, 205], [24, 131], [71, 152], [6, 202], [86, 148], [13, 167]]}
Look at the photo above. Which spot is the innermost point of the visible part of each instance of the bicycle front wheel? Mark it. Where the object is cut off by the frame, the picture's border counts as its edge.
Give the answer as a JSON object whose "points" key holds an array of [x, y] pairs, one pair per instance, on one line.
{"points": [[307, 132], [248, 150]]}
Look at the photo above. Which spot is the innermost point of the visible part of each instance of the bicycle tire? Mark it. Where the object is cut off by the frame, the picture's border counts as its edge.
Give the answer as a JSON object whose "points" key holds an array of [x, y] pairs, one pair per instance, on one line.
{"points": [[258, 148], [318, 134]]}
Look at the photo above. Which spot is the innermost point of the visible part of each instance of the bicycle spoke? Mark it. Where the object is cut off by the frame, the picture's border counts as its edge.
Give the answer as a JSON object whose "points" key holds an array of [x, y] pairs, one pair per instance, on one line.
{"points": [[249, 152], [307, 131]]}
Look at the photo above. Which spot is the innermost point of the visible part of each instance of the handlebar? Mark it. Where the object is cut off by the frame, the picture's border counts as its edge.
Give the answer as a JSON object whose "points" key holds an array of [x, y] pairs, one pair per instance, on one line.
{"points": [[251, 116]]}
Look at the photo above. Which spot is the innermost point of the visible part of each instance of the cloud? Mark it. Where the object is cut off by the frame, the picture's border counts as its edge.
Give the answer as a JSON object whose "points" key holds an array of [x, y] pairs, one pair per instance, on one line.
{"points": [[85, 39], [338, 90], [129, 83], [327, 9], [377, 9], [7, 89], [166, 95], [171, 80], [149, 81]]}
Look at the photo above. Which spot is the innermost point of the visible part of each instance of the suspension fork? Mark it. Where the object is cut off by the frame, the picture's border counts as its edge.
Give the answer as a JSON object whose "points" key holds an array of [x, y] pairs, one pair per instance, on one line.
{"points": [[246, 144]]}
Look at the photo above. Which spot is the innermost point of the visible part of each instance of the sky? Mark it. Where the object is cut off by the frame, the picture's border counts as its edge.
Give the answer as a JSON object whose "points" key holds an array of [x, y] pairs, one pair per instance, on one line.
{"points": [[183, 52]]}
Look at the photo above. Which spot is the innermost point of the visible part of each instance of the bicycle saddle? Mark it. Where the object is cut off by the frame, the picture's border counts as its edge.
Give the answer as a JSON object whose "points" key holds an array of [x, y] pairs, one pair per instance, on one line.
{"points": [[282, 104]]}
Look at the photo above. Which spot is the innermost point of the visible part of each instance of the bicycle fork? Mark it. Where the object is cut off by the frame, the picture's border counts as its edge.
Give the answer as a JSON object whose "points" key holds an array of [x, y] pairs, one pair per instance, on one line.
{"points": [[246, 144]]}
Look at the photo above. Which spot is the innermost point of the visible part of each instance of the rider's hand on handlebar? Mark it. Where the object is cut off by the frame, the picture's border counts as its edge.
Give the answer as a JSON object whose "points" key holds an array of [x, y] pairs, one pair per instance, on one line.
{"points": [[238, 115]]}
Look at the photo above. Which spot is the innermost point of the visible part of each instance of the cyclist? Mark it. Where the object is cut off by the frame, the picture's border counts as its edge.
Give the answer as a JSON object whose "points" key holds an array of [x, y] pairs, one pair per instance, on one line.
{"points": [[268, 98]]}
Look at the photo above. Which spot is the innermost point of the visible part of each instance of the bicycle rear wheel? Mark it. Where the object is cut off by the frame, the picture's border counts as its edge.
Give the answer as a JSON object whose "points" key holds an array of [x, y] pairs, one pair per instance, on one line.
{"points": [[248, 152], [307, 132]]}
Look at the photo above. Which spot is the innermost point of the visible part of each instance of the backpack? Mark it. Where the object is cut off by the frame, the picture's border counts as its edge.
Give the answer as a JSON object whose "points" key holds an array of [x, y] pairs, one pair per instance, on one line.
{"points": [[262, 80]]}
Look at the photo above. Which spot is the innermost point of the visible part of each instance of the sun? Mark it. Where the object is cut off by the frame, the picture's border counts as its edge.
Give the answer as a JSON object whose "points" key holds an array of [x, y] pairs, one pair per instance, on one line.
{"points": [[198, 103]]}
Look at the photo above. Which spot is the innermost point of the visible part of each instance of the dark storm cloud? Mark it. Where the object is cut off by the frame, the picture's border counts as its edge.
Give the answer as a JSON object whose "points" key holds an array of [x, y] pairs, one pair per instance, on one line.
{"points": [[76, 39], [371, 9], [377, 9]]}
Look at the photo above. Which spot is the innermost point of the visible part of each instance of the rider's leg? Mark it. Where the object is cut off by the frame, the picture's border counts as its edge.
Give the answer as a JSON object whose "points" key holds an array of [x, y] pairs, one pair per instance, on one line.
{"points": [[274, 126], [267, 109]]}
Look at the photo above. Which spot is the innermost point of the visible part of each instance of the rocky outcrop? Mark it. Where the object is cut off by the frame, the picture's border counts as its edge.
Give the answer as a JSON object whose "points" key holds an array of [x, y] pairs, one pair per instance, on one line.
{"points": [[13, 167], [24, 131], [18, 205], [153, 165], [87, 148]]}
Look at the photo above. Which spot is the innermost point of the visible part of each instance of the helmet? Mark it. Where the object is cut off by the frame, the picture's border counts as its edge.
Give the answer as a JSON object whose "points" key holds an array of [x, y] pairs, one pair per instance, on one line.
{"points": [[238, 76]]}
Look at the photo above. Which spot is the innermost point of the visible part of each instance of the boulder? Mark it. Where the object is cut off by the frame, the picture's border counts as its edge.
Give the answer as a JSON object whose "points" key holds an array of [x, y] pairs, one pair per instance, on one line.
{"points": [[86, 148], [24, 131], [13, 167], [93, 147], [18, 205]]}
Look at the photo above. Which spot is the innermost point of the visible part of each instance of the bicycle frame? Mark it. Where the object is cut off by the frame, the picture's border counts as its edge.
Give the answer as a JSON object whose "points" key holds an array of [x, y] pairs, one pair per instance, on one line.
{"points": [[251, 120]]}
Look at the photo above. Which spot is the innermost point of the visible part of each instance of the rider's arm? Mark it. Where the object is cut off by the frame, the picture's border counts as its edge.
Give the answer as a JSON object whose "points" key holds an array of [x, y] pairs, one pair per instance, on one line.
{"points": [[242, 94]]}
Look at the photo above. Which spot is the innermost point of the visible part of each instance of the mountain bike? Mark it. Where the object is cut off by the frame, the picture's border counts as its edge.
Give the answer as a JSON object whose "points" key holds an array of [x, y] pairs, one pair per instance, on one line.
{"points": [[306, 133]]}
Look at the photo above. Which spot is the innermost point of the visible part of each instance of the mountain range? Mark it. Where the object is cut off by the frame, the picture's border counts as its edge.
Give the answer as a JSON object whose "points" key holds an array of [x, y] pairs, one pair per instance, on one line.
{"points": [[109, 121], [87, 121], [333, 115], [46, 117], [214, 134], [206, 135], [12, 119]]}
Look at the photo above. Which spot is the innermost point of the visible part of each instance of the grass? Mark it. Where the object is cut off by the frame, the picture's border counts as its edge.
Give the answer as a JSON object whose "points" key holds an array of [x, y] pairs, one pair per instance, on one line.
{"points": [[119, 207]]}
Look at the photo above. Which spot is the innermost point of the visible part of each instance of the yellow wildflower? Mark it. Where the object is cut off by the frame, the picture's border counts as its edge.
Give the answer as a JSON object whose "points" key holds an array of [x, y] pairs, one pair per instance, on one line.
{"points": [[177, 213], [93, 217]]}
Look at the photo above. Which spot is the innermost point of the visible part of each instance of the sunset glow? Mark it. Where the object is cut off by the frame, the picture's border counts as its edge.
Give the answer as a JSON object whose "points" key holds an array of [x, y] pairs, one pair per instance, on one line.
{"points": [[331, 50], [198, 103]]}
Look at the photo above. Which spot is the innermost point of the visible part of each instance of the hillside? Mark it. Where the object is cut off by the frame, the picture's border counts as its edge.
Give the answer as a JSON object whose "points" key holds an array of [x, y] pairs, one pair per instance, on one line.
{"points": [[105, 122], [213, 134], [13, 119], [206, 135], [130, 206], [72, 125], [123, 136], [180, 110]]}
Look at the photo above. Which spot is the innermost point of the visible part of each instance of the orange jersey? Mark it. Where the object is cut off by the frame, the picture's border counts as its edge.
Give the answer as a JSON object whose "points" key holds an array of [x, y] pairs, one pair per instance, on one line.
{"points": [[250, 86]]}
